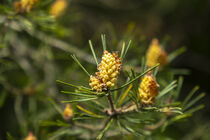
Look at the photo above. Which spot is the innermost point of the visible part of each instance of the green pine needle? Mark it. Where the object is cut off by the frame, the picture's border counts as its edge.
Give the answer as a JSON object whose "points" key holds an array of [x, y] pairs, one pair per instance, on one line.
{"points": [[67, 84], [189, 96], [139, 121], [78, 94], [77, 61], [79, 100], [155, 71], [85, 118], [176, 53], [171, 105], [103, 39], [128, 46], [137, 77], [143, 64], [192, 102], [167, 89], [93, 52], [54, 123], [98, 104], [179, 117], [199, 107], [108, 124], [131, 130], [120, 127], [125, 49], [57, 108], [179, 86]]}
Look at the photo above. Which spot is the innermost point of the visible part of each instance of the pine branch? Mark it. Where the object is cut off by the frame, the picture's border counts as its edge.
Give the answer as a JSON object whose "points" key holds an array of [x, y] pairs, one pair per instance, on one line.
{"points": [[109, 97], [122, 110]]}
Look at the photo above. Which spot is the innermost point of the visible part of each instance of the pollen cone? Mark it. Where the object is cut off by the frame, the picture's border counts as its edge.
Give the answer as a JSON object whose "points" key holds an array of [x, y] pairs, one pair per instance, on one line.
{"points": [[95, 83], [58, 7], [68, 112], [30, 136], [156, 54], [109, 68], [24, 6], [148, 89]]}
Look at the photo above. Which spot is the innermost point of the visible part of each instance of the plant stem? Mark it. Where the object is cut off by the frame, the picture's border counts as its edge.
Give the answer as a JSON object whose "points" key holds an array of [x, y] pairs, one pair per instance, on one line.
{"points": [[122, 110], [109, 97]]}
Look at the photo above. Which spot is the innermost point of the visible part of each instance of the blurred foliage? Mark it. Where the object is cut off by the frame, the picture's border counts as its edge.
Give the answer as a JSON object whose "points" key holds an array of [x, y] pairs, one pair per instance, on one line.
{"points": [[35, 49]]}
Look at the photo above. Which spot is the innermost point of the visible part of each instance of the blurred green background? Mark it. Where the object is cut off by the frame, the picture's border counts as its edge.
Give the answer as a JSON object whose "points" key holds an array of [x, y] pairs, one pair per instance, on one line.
{"points": [[34, 60]]}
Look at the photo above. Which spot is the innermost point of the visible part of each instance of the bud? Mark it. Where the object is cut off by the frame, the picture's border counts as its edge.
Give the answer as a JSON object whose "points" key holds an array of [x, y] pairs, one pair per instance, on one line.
{"points": [[68, 112], [58, 7], [30, 136], [24, 6], [109, 68], [148, 89], [156, 54]]}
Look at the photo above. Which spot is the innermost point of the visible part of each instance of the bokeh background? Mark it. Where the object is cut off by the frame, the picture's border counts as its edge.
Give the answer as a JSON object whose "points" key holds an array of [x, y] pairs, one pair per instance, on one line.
{"points": [[33, 61]]}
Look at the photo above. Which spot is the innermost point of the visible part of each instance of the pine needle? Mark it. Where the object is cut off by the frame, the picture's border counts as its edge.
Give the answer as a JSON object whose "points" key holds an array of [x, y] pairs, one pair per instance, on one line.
{"points": [[79, 100], [89, 112], [189, 96], [167, 89], [77, 61], [179, 86], [136, 78], [176, 53], [93, 52], [128, 46], [103, 39], [155, 71], [57, 108], [191, 103], [67, 84], [78, 94], [199, 107], [125, 94], [143, 64], [122, 51], [105, 129]]}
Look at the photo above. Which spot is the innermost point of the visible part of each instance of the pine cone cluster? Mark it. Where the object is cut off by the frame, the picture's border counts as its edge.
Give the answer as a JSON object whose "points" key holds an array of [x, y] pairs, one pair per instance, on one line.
{"points": [[107, 73], [96, 84], [148, 89], [24, 6], [156, 54]]}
